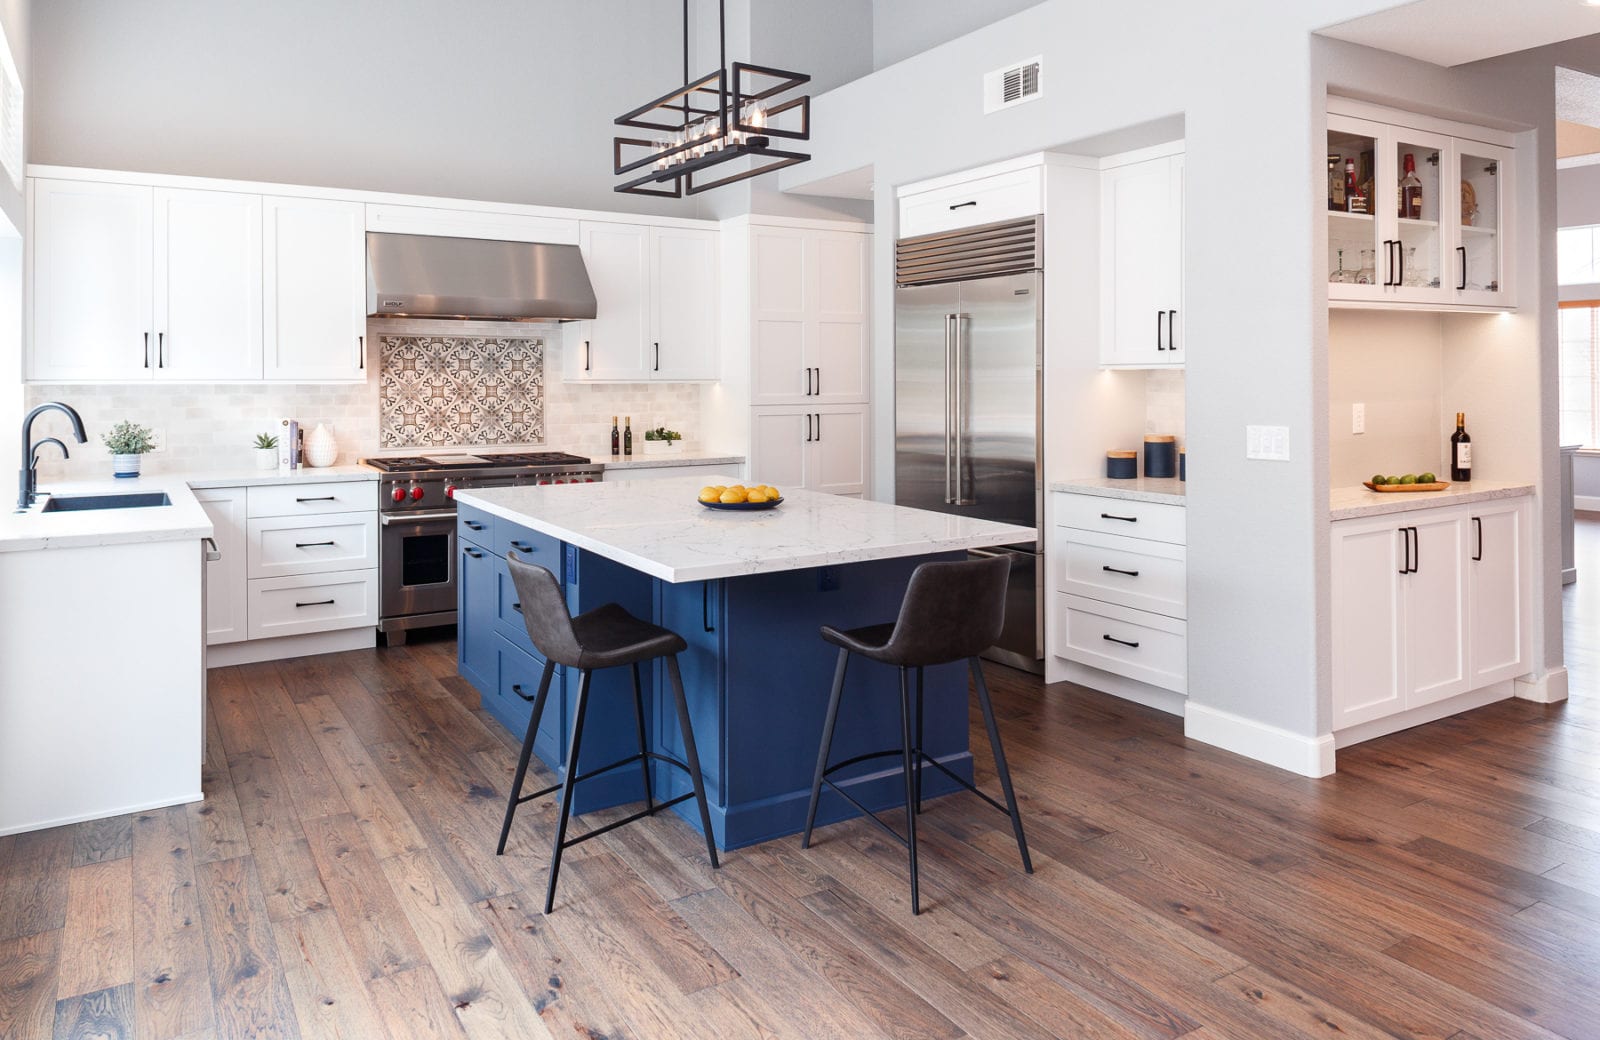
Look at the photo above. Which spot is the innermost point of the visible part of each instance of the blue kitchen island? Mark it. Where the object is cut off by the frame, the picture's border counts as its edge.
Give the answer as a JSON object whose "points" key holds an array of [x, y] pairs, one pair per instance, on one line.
{"points": [[748, 591]]}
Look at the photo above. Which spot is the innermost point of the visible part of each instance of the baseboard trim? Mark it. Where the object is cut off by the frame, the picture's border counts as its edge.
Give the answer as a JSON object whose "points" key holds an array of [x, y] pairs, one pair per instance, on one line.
{"points": [[104, 814], [1307, 756], [251, 651], [1586, 503], [1118, 686], [1427, 713], [1549, 688]]}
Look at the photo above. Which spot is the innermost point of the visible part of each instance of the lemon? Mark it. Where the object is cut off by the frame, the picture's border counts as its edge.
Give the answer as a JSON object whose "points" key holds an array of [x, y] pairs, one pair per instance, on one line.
{"points": [[733, 495], [710, 494], [771, 492], [756, 495]]}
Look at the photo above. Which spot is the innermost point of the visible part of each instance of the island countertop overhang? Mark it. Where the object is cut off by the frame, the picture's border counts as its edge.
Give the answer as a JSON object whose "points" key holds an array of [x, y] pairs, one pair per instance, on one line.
{"points": [[658, 528]]}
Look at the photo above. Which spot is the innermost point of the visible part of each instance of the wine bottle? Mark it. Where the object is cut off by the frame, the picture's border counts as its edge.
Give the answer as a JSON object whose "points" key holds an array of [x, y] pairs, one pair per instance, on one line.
{"points": [[616, 438], [627, 436], [1354, 201], [1335, 183], [1411, 191], [1461, 451]]}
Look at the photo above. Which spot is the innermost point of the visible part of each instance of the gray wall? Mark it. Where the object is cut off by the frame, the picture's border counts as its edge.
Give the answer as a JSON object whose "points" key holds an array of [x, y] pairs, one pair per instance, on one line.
{"points": [[509, 100], [902, 28], [1578, 196]]}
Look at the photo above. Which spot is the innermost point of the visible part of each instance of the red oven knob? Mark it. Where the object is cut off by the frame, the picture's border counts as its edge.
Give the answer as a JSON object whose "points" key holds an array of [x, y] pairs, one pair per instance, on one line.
{"points": [[416, 494], [450, 492], [398, 494], [543, 482], [588, 480], [558, 480]]}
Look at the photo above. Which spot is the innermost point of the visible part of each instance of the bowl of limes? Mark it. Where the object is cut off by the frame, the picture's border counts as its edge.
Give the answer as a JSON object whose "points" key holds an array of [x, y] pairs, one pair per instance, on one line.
{"points": [[1409, 482], [738, 497]]}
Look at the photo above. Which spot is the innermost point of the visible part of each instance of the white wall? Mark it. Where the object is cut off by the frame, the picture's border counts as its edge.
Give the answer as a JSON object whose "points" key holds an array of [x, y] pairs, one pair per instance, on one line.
{"points": [[13, 218], [1578, 196], [902, 28]]}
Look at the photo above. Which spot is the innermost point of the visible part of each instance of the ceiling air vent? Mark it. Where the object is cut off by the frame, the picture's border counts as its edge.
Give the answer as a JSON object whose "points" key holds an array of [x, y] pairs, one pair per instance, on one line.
{"points": [[1012, 85]]}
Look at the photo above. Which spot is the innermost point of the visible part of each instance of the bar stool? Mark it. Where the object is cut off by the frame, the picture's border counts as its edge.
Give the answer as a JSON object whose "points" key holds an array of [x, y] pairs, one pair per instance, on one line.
{"points": [[951, 611], [606, 637]]}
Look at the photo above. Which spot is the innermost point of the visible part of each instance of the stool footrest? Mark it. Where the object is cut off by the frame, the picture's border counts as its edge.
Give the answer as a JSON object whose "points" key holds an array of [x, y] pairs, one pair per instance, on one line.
{"points": [[630, 760], [921, 754], [614, 824], [868, 813]]}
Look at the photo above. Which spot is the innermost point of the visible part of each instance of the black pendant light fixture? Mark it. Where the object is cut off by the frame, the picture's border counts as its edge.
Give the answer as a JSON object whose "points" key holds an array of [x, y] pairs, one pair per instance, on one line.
{"points": [[719, 118]]}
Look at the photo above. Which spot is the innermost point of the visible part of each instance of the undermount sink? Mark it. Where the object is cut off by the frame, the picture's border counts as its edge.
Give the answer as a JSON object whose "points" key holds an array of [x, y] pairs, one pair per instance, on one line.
{"points": [[132, 500]]}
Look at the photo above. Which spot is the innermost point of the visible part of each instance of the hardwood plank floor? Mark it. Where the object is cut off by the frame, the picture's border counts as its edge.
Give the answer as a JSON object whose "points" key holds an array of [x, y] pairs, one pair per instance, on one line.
{"points": [[339, 881]]}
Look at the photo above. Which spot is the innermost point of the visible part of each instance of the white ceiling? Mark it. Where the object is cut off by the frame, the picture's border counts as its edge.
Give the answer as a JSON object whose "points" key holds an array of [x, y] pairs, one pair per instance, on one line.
{"points": [[1454, 32]]}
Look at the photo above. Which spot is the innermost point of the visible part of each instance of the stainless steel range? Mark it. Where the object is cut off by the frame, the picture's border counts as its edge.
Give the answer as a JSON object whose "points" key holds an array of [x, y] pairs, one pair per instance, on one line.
{"points": [[417, 511]]}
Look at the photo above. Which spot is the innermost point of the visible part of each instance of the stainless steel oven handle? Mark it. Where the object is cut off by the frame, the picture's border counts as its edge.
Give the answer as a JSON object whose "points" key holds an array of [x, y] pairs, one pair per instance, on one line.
{"points": [[413, 518]]}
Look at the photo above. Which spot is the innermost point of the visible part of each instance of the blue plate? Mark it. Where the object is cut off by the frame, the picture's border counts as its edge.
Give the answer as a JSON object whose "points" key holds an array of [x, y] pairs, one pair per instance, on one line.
{"points": [[742, 505]]}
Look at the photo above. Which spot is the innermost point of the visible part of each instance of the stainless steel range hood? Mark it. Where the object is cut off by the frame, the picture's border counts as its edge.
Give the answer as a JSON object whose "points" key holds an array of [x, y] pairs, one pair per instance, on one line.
{"points": [[430, 276]]}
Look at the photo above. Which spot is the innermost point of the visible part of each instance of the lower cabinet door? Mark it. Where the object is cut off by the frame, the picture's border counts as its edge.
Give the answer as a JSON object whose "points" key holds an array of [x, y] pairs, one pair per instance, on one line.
{"points": [[1499, 591], [1368, 666], [838, 463], [305, 603], [226, 591], [476, 602], [1435, 609], [518, 684]]}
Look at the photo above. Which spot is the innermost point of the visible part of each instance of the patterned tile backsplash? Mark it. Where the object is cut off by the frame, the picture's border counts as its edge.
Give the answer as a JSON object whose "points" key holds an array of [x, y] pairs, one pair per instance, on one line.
{"points": [[476, 391]]}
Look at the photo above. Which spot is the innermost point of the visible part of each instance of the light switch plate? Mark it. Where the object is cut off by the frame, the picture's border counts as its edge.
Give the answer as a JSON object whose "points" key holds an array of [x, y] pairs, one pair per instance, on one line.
{"points": [[1267, 443], [1358, 418]]}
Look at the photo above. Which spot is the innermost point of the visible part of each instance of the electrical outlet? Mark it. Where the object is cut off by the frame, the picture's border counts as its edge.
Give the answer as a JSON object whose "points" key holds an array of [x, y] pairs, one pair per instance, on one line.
{"points": [[1267, 443], [1358, 418]]}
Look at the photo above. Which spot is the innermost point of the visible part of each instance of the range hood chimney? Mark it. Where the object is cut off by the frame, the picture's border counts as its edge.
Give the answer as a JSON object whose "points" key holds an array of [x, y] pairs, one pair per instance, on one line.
{"points": [[431, 276]]}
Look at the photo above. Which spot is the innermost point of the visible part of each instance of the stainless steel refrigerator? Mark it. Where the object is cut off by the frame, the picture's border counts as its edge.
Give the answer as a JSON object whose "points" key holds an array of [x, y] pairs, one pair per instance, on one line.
{"points": [[969, 325]]}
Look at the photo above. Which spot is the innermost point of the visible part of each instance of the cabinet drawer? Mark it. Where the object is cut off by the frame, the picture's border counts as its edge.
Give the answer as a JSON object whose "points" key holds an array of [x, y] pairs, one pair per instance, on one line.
{"points": [[1134, 643], [343, 496], [299, 604], [291, 545], [517, 685], [1002, 197], [475, 526], [530, 546], [1132, 572], [1154, 520]]}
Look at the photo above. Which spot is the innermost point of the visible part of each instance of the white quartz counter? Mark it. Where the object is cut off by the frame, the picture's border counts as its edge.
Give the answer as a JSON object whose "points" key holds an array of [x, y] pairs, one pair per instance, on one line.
{"points": [[658, 527], [623, 463], [242, 477], [183, 519], [1347, 503], [1169, 490]]}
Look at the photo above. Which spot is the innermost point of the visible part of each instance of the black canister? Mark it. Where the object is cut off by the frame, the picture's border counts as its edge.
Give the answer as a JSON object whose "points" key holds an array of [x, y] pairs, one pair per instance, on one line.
{"points": [[1160, 455], [1122, 465]]}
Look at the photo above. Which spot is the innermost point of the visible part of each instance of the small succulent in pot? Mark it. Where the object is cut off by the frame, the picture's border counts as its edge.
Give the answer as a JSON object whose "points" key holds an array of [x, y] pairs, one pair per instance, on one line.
{"points": [[127, 441], [266, 441], [266, 451]]}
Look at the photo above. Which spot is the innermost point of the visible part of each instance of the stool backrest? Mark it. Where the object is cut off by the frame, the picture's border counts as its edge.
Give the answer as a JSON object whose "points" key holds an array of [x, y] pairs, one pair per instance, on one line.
{"points": [[544, 611], [951, 611]]}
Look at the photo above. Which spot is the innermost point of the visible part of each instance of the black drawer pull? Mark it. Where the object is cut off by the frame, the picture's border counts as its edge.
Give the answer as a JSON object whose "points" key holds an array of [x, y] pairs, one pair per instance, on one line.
{"points": [[1119, 570], [474, 553], [522, 547], [517, 607], [473, 525], [1124, 642], [312, 545], [1477, 523], [964, 205], [318, 603], [1124, 519], [324, 498], [516, 688]]}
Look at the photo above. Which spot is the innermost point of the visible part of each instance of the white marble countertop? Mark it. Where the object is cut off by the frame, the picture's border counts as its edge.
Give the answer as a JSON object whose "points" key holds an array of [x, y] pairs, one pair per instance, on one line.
{"points": [[246, 477], [1347, 503], [183, 519], [1170, 490], [657, 527], [613, 463]]}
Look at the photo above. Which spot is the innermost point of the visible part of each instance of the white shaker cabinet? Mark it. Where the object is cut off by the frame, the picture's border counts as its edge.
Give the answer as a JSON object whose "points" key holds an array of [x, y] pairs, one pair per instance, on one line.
{"points": [[1141, 251], [90, 281], [207, 285], [225, 576], [684, 303], [1500, 586], [810, 312], [315, 279], [822, 448]]}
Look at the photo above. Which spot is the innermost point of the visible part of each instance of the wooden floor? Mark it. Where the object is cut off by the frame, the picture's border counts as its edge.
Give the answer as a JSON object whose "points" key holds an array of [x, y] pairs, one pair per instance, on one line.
{"points": [[339, 881]]}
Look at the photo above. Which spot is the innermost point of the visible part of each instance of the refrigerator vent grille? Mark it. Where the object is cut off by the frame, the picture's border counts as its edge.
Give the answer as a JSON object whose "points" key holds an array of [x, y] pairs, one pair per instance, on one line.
{"points": [[1006, 247]]}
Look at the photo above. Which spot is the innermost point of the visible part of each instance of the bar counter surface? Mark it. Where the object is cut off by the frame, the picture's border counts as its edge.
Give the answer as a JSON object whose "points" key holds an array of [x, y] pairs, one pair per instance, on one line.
{"points": [[748, 590]]}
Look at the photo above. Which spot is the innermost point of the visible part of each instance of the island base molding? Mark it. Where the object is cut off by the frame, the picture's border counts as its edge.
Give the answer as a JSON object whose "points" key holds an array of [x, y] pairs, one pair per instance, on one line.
{"points": [[1118, 686], [1307, 756], [1549, 688]]}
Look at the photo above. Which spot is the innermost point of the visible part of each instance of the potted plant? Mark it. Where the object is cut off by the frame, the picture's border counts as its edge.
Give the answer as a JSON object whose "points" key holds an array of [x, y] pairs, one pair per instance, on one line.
{"points": [[662, 441], [126, 442], [266, 451]]}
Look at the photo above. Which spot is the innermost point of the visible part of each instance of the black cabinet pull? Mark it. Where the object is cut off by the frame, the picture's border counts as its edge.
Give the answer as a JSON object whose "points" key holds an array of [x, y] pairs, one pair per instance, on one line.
{"points": [[658, 358], [808, 427], [1400, 257], [147, 350], [522, 547], [964, 205], [819, 426], [586, 355], [1124, 519], [473, 525], [1463, 251], [1119, 570], [819, 381], [1172, 321], [705, 607], [311, 545], [517, 607], [324, 498], [361, 353], [318, 603], [1405, 547], [1158, 330], [1477, 523], [516, 688], [808, 382], [1416, 551], [1413, 550], [1113, 639], [161, 350], [474, 553]]}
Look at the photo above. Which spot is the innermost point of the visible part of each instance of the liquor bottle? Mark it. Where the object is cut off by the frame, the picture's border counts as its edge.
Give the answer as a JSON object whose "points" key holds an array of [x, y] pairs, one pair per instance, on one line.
{"points": [[627, 436], [1461, 451], [1411, 191], [616, 438], [1354, 201], [1335, 183]]}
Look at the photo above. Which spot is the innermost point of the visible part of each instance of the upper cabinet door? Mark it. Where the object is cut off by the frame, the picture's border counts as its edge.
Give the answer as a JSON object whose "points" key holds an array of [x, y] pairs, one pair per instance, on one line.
{"points": [[314, 289], [91, 273], [1482, 240], [613, 345], [1141, 236], [810, 310], [684, 303], [779, 271], [207, 285], [838, 354], [1357, 236], [1412, 189]]}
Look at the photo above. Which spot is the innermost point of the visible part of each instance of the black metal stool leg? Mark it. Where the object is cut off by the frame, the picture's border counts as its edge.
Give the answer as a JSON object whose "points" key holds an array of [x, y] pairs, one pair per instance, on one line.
{"points": [[644, 748], [527, 751], [692, 756], [566, 788], [910, 780], [1000, 760], [917, 751], [827, 745]]}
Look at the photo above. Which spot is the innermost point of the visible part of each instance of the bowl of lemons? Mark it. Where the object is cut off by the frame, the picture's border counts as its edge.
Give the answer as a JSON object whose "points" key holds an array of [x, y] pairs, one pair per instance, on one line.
{"points": [[739, 497]]}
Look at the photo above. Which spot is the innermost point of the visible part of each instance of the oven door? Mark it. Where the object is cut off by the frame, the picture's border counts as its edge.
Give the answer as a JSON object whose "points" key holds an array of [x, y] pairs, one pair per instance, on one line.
{"points": [[418, 566]]}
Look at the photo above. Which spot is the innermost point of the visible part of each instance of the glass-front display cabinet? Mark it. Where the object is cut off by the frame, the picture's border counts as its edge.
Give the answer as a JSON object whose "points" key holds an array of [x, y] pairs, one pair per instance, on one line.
{"points": [[1414, 217]]}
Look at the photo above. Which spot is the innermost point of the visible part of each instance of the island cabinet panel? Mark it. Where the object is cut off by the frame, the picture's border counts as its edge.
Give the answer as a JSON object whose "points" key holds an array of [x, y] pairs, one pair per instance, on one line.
{"points": [[475, 606]]}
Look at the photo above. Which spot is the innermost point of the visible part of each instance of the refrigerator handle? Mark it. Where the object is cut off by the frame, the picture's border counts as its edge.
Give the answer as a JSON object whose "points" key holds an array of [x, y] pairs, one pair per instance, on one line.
{"points": [[957, 497], [949, 393]]}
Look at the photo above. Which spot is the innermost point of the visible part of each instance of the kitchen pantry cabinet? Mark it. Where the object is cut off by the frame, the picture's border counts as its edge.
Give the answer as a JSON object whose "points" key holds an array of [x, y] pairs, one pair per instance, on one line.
{"points": [[809, 316], [131, 283], [1141, 260], [1449, 250], [1428, 604], [823, 448], [657, 315]]}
